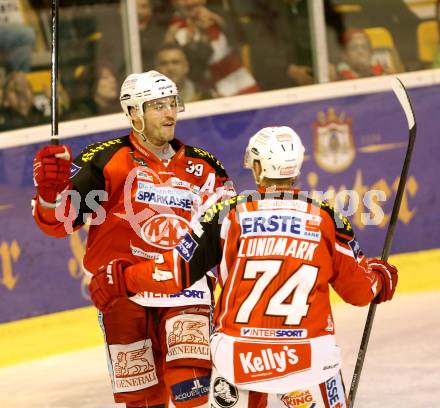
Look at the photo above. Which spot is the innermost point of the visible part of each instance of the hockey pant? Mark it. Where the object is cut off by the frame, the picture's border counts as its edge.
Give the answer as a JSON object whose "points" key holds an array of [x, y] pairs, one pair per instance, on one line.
{"points": [[157, 353], [329, 394]]}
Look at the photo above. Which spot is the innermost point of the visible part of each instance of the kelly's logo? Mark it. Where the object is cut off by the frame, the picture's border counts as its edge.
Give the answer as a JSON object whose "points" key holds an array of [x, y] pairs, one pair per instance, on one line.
{"points": [[261, 361]]}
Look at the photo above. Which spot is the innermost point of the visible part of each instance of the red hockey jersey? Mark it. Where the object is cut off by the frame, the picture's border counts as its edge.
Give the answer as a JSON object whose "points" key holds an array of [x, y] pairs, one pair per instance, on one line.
{"points": [[137, 206], [278, 254]]}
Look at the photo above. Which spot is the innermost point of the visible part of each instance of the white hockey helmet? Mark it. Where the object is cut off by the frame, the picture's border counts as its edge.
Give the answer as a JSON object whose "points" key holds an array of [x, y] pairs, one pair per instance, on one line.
{"points": [[279, 151], [148, 86]]}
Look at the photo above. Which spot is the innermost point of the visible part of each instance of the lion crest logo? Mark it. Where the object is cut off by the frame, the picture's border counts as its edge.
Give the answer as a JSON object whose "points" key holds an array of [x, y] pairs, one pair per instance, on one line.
{"points": [[187, 331]]}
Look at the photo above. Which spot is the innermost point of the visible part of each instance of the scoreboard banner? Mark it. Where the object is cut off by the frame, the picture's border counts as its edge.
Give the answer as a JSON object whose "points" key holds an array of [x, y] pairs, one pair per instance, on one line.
{"points": [[355, 147]]}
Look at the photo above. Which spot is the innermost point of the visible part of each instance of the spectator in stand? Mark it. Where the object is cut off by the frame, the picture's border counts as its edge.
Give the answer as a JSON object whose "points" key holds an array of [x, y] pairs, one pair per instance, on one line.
{"points": [[208, 41], [357, 56], [395, 16], [152, 30], [277, 39], [99, 87], [42, 100], [16, 45], [106, 90], [18, 109], [89, 33], [2, 84], [171, 61]]}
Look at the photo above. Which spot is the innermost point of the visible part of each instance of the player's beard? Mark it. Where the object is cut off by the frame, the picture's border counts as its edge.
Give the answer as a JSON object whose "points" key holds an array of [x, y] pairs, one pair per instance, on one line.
{"points": [[161, 134]]}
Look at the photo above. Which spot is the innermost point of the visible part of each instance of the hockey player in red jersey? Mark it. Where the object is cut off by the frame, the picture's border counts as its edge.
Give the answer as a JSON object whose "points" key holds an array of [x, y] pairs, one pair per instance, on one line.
{"points": [[139, 193], [279, 252]]}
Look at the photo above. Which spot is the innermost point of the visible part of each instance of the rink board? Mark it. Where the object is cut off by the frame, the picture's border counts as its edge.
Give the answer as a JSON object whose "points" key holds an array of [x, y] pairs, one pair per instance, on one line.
{"points": [[72, 330], [40, 275]]}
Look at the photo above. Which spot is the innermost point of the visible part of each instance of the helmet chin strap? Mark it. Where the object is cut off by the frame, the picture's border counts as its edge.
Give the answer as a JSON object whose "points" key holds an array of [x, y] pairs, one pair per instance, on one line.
{"points": [[258, 179], [141, 130]]}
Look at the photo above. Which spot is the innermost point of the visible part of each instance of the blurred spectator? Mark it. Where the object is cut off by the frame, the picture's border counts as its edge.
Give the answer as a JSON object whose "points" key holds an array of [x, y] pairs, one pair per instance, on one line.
{"points": [[277, 37], [98, 91], [106, 88], [152, 30], [77, 26], [171, 61], [208, 41], [16, 45], [18, 109], [2, 84], [357, 57], [42, 100], [393, 15], [89, 33]]}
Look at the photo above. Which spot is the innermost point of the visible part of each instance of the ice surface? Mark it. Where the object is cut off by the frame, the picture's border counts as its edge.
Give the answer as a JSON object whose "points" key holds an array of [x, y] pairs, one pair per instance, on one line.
{"points": [[402, 365]]}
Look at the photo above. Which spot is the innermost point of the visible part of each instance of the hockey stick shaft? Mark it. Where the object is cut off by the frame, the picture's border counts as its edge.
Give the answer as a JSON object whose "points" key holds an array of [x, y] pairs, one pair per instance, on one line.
{"points": [[405, 102], [54, 75]]}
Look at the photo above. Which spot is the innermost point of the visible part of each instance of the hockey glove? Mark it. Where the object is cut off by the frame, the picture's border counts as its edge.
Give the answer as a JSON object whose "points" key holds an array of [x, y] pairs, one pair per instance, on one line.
{"points": [[388, 276], [51, 173], [108, 285]]}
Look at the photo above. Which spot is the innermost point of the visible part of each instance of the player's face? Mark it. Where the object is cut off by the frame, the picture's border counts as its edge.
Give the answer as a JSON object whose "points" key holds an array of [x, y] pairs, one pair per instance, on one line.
{"points": [[160, 118]]}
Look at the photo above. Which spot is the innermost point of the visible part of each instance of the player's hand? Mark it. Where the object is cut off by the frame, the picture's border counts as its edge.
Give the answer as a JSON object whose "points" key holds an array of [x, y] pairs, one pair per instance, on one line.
{"points": [[108, 285], [51, 172], [388, 275]]}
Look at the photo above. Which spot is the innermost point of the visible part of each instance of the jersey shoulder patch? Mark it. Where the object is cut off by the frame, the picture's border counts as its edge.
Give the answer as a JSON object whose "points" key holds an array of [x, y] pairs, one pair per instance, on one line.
{"points": [[342, 225], [101, 152], [209, 158]]}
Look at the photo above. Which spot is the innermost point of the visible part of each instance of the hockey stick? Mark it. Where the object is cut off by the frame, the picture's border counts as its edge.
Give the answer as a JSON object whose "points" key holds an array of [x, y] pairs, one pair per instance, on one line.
{"points": [[54, 74], [405, 102]]}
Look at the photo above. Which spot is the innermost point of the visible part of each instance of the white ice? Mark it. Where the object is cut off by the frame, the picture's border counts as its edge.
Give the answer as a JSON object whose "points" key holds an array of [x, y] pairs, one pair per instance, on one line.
{"points": [[401, 370]]}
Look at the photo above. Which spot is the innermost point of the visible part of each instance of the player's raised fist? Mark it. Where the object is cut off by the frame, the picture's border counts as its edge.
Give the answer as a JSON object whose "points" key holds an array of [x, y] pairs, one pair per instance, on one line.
{"points": [[108, 285], [51, 172], [388, 276]]}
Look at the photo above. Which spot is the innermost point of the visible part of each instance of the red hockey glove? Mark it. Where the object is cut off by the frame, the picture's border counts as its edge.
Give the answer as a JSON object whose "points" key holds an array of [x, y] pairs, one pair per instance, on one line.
{"points": [[108, 285], [388, 275], [52, 172]]}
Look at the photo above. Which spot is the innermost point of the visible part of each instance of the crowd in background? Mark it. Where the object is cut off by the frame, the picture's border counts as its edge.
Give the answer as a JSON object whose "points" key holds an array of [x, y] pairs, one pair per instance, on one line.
{"points": [[210, 48]]}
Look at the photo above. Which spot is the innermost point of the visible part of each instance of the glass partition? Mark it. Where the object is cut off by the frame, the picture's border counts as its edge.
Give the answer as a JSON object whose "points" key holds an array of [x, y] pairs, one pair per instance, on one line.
{"points": [[91, 60], [384, 37], [210, 48]]}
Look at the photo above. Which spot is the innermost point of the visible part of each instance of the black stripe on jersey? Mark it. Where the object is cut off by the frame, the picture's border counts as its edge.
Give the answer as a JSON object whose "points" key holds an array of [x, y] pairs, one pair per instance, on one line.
{"points": [[222, 208], [342, 239], [198, 153], [342, 225], [101, 152], [184, 273], [90, 170]]}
